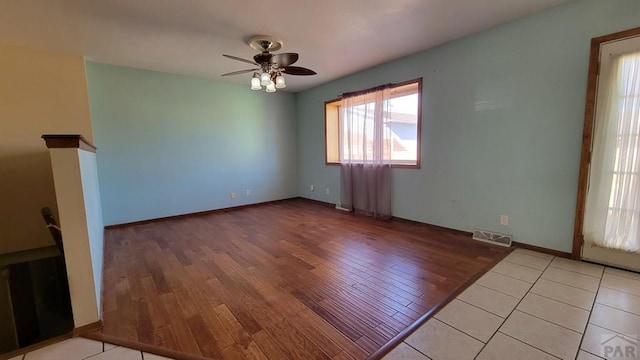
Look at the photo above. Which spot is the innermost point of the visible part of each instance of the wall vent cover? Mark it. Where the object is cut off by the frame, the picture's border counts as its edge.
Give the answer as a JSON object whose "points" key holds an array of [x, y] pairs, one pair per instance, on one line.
{"points": [[492, 237]]}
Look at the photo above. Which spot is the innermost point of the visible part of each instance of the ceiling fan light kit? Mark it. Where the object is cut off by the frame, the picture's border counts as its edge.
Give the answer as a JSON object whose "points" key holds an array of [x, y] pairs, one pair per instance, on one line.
{"points": [[270, 67], [255, 82]]}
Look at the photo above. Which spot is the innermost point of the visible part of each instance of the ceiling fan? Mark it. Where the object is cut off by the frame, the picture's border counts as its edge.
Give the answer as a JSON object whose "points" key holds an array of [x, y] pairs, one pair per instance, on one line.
{"points": [[269, 67]]}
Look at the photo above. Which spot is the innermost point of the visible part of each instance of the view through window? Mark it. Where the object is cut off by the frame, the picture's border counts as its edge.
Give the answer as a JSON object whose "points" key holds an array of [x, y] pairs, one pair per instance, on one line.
{"points": [[399, 127]]}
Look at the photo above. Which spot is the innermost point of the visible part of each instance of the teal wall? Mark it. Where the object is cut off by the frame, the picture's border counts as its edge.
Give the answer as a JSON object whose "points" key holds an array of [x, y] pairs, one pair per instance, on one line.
{"points": [[171, 145], [501, 126]]}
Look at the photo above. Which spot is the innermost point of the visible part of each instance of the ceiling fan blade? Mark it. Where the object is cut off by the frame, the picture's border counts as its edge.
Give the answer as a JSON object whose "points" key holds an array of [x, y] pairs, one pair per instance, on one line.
{"points": [[239, 59], [284, 59], [297, 70], [240, 72]]}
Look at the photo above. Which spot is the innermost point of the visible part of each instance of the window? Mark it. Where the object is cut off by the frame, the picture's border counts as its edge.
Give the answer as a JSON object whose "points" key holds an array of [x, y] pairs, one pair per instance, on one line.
{"points": [[400, 127]]}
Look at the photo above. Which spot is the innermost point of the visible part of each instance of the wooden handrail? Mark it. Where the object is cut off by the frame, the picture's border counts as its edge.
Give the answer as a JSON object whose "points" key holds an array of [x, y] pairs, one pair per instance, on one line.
{"points": [[58, 141]]}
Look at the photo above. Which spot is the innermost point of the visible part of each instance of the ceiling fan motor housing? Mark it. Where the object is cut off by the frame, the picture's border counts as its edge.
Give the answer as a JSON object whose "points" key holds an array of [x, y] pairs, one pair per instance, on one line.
{"points": [[262, 58], [265, 43]]}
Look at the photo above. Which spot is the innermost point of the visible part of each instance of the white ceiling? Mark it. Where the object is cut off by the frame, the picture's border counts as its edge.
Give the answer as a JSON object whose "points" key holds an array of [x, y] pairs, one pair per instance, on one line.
{"points": [[188, 37]]}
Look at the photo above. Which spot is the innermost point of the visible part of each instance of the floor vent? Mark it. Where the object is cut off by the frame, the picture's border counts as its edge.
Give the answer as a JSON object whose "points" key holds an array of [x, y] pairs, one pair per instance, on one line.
{"points": [[492, 237]]}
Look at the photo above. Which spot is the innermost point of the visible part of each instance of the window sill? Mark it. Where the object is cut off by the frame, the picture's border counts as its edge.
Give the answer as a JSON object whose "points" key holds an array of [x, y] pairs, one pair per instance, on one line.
{"points": [[393, 166]]}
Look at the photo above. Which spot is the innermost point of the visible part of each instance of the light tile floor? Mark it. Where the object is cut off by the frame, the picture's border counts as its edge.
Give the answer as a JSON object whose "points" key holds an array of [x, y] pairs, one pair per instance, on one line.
{"points": [[81, 348], [534, 306]]}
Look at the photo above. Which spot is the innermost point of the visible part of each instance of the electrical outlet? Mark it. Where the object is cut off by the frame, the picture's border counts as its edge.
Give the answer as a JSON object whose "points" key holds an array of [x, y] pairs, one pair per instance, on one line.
{"points": [[232, 195], [248, 192], [327, 191], [312, 188], [504, 219]]}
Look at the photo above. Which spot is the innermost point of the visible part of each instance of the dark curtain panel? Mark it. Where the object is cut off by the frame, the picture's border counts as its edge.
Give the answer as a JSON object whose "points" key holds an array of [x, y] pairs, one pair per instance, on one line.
{"points": [[366, 188]]}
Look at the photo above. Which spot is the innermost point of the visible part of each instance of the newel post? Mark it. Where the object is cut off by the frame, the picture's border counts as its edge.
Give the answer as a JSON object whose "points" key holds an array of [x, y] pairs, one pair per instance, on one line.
{"points": [[75, 176]]}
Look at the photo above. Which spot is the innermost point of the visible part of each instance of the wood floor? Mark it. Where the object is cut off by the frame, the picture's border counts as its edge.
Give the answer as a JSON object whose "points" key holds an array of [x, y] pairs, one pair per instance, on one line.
{"points": [[292, 279]]}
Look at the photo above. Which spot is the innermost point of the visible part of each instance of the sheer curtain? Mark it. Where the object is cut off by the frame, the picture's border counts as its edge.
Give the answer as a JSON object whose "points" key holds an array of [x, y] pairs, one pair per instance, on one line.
{"points": [[613, 200], [365, 171]]}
